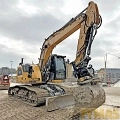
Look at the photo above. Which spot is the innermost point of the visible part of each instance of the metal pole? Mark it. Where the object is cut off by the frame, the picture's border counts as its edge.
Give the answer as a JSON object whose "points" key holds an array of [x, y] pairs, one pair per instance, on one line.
{"points": [[105, 58], [11, 68]]}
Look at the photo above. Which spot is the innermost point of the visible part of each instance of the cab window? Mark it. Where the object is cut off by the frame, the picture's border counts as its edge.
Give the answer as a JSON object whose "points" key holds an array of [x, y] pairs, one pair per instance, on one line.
{"points": [[19, 71], [26, 67]]}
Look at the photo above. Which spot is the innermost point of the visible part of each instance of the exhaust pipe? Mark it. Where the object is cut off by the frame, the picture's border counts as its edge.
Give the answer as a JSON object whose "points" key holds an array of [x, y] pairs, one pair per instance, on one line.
{"points": [[21, 61]]}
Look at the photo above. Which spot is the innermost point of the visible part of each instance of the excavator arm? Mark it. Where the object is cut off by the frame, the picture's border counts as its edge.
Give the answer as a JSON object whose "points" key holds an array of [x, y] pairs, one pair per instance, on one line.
{"points": [[88, 20]]}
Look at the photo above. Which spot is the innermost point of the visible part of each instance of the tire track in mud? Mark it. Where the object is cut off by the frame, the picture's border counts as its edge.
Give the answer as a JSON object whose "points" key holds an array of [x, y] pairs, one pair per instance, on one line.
{"points": [[15, 109]]}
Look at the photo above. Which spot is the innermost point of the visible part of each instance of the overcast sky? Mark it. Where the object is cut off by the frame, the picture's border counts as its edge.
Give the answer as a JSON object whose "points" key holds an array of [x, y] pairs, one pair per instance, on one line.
{"points": [[24, 24]]}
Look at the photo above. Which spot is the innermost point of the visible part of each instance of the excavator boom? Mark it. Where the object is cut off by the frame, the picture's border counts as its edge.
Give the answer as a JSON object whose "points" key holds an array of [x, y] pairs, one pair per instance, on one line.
{"points": [[84, 20]]}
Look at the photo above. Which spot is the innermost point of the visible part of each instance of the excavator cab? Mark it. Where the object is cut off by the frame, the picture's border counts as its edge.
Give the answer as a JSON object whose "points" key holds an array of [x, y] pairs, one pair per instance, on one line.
{"points": [[55, 69]]}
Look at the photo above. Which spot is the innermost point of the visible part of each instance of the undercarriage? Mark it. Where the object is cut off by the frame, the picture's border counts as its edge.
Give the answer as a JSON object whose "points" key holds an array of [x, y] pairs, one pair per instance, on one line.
{"points": [[68, 95]]}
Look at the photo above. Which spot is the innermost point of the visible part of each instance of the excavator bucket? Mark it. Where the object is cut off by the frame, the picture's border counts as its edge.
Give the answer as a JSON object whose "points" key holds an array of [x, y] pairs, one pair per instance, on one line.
{"points": [[59, 102], [80, 99]]}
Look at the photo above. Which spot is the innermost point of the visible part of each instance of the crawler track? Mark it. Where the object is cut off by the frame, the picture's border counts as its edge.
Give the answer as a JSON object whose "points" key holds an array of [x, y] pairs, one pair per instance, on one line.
{"points": [[35, 95], [31, 95]]}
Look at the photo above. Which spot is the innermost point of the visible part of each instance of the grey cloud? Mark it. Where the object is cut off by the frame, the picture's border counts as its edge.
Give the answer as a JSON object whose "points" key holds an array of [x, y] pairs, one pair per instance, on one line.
{"points": [[30, 29], [102, 44], [45, 4], [97, 62], [7, 56], [113, 25], [7, 5], [68, 48], [33, 29]]}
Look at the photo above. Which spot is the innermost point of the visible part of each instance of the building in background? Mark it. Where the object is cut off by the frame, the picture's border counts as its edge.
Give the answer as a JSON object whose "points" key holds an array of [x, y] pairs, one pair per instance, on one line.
{"points": [[9, 70], [112, 75]]}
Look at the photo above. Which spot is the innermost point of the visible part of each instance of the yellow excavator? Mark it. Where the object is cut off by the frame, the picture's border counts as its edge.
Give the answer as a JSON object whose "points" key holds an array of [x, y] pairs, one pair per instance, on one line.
{"points": [[47, 80]]}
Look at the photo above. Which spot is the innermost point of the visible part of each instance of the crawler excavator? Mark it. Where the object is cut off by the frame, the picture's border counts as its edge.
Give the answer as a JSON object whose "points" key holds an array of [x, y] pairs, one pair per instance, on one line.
{"points": [[48, 82]]}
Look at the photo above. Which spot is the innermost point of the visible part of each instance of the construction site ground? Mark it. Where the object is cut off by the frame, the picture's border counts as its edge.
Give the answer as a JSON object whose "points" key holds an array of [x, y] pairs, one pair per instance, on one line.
{"points": [[14, 109]]}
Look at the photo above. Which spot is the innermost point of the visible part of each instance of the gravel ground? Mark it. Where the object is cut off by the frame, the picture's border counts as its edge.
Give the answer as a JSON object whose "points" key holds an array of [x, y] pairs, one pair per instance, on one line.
{"points": [[18, 110]]}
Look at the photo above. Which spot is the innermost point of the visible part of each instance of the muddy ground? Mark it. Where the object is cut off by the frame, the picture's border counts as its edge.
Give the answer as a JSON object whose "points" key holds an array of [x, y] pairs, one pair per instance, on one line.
{"points": [[18, 110]]}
